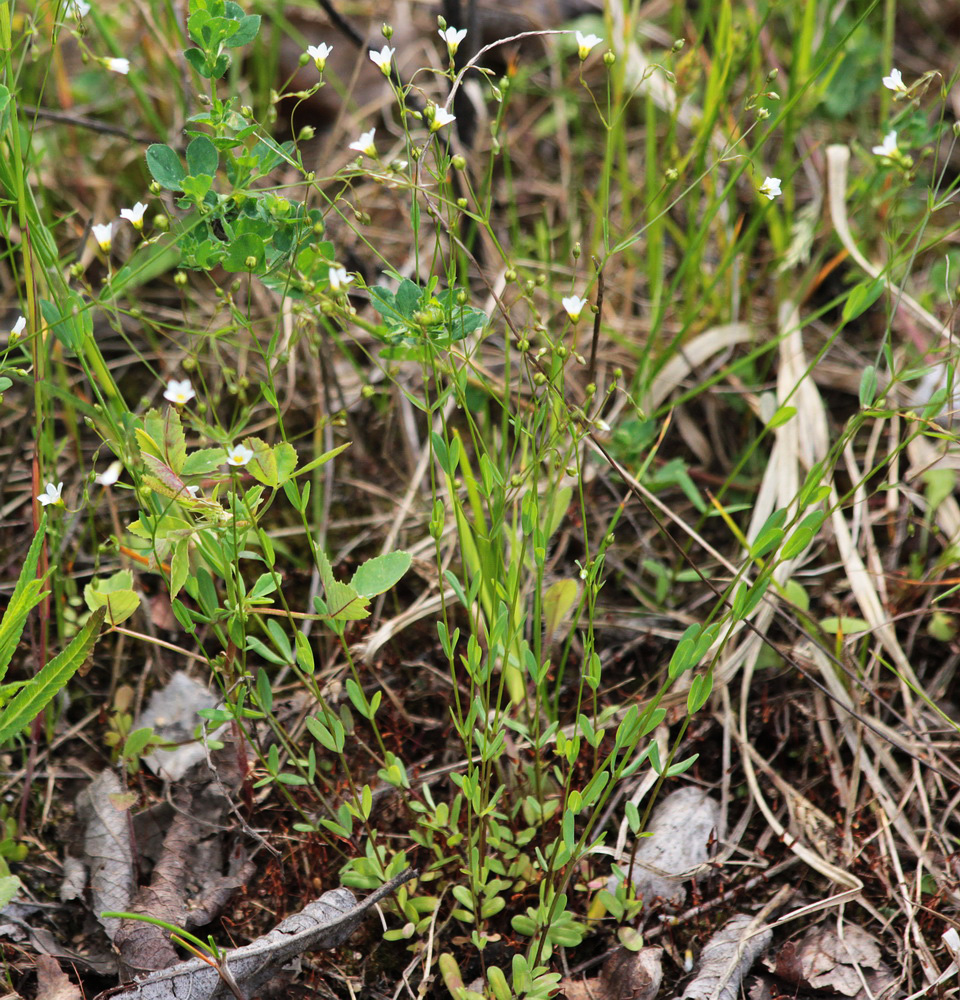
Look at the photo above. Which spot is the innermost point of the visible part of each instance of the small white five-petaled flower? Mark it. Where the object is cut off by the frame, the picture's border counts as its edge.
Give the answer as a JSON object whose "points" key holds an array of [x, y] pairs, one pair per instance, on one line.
{"points": [[574, 306], [339, 278], [134, 215], [585, 43], [441, 117], [51, 495], [179, 391], [365, 144], [103, 235], [110, 475], [895, 82], [239, 455], [889, 147], [19, 326], [382, 58], [319, 54], [771, 187], [118, 65], [453, 38]]}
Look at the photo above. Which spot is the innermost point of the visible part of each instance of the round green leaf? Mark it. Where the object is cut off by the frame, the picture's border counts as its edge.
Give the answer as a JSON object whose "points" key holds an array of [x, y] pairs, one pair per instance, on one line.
{"points": [[165, 166]]}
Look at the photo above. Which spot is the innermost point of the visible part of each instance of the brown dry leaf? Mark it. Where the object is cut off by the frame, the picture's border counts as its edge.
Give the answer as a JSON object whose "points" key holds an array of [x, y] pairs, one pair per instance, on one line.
{"points": [[52, 982], [727, 957], [109, 856], [822, 961], [681, 828], [582, 989], [632, 975], [324, 923], [187, 887]]}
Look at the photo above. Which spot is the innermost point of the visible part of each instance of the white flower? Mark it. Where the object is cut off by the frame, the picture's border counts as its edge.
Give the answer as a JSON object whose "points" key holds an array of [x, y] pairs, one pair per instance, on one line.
{"points": [[118, 65], [585, 43], [51, 495], [19, 327], [104, 235], [382, 59], [78, 8], [179, 392], [239, 455], [895, 82], [574, 306], [441, 117], [193, 491], [453, 38], [319, 54], [365, 144], [771, 187], [134, 215], [339, 278], [889, 147], [110, 475]]}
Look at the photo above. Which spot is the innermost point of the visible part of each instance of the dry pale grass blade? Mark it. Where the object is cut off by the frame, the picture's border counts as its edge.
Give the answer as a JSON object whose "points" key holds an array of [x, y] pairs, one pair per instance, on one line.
{"points": [[730, 953], [838, 160], [782, 478], [694, 355], [647, 78], [806, 854], [924, 455], [427, 604], [872, 750], [779, 488]]}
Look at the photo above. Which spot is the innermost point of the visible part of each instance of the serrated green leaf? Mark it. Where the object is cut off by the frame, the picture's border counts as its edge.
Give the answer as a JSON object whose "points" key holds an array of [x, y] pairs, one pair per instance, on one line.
{"points": [[114, 594], [179, 566], [27, 594], [202, 462], [379, 574], [345, 604], [10, 885], [844, 624], [558, 599], [53, 676]]}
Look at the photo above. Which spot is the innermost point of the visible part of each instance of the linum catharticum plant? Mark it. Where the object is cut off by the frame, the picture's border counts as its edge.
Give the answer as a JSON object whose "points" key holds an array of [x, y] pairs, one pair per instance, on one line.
{"points": [[507, 466]]}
